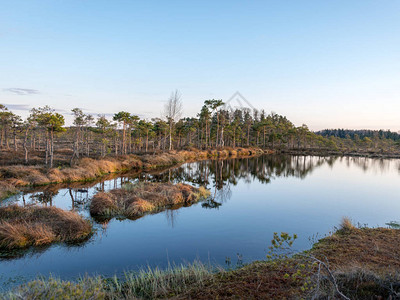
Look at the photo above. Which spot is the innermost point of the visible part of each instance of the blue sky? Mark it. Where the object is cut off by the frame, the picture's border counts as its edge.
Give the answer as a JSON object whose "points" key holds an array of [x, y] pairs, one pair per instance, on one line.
{"points": [[323, 63]]}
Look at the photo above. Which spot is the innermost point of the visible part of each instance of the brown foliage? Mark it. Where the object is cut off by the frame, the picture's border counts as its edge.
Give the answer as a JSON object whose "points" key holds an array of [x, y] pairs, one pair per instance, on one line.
{"points": [[102, 203], [372, 248], [87, 169], [346, 224], [136, 200], [24, 226]]}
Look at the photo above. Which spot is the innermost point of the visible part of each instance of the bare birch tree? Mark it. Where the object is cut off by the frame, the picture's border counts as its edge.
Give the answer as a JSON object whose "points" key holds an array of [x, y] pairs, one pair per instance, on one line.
{"points": [[172, 111]]}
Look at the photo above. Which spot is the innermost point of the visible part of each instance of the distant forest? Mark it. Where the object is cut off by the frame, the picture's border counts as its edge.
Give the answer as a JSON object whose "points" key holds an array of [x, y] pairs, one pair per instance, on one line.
{"points": [[360, 134]]}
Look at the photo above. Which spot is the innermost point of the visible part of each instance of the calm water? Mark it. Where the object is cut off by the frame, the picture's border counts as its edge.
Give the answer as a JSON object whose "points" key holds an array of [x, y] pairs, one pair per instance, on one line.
{"points": [[251, 199]]}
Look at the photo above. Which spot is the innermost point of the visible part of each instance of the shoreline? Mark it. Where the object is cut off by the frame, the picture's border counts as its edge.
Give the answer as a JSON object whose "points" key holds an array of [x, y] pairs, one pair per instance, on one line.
{"points": [[88, 169], [347, 262], [323, 152]]}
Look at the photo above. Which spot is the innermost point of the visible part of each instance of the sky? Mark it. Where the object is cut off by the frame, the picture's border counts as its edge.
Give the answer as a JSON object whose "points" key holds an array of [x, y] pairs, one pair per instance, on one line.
{"points": [[328, 64]]}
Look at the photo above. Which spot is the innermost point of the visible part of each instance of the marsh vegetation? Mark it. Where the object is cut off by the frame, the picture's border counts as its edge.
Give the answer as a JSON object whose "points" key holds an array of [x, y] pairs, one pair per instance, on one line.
{"points": [[88, 169], [217, 228], [135, 200], [320, 273], [21, 227]]}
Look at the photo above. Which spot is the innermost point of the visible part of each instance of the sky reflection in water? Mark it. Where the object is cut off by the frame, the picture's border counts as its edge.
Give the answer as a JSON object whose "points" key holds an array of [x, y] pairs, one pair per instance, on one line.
{"points": [[252, 198]]}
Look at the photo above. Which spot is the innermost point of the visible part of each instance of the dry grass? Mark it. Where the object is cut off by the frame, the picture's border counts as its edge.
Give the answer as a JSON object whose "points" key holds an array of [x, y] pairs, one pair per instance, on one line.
{"points": [[87, 169], [145, 284], [373, 248], [258, 280], [365, 263], [346, 224], [25, 226], [6, 190], [135, 200], [103, 204]]}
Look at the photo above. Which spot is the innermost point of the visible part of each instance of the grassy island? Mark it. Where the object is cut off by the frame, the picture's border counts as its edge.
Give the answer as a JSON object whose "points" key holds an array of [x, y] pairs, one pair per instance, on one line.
{"points": [[135, 200], [21, 227]]}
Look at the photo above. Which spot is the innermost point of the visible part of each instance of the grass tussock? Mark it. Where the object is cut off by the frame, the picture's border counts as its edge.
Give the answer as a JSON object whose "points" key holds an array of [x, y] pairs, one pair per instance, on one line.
{"points": [[346, 224], [135, 200], [21, 227]]}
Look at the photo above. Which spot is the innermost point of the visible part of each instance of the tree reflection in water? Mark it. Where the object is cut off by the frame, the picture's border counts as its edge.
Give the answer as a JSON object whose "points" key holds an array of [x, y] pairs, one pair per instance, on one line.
{"points": [[220, 175], [217, 175]]}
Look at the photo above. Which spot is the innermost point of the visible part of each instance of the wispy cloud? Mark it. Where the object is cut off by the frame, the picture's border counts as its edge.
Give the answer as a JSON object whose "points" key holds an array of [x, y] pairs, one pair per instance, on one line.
{"points": [[21, 91], [17, 106], [27, 107]]}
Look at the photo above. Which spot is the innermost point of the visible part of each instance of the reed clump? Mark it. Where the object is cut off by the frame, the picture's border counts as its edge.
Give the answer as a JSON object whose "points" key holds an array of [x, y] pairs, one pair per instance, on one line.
{"points": [[135, 200], [150, 283], [21, 227], [346, 224]]}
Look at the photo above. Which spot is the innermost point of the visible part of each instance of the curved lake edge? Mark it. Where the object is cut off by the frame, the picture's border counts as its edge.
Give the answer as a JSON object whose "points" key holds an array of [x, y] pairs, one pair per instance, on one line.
{"points": [[300, 160], [326, 269]]}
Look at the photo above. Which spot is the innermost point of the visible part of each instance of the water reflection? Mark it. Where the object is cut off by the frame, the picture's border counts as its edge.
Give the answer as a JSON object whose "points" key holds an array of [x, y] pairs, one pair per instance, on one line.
{"points": [[216, 175], [298, 194]]}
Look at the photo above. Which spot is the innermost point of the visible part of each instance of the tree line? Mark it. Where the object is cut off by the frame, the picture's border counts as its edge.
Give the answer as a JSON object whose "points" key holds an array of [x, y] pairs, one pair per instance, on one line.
{"points": [[214, 126], [361, 134]]}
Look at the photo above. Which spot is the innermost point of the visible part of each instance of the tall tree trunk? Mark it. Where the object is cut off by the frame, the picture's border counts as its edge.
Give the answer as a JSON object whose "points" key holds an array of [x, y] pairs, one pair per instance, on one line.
{"points": [[26, 145], [87, 142], [264, 138], [206, 135], [15, 141], [130, 139], [170, 135], [123, 150], [7, 144], [47, 148], [222, 136], [248, 135], [147, 140], [116, 145], [3, 132], [51, 148], [216, 138], [234, 137]]}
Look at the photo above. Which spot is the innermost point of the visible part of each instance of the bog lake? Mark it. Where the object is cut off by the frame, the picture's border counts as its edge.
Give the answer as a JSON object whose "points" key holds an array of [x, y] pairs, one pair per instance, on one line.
{"points": [[251, 198]]}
